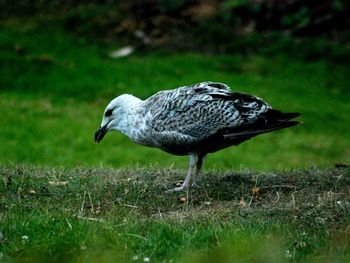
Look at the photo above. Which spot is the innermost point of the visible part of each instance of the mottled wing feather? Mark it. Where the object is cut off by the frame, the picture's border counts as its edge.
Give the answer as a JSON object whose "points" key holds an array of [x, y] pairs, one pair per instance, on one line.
{"points": [[193, 113]]}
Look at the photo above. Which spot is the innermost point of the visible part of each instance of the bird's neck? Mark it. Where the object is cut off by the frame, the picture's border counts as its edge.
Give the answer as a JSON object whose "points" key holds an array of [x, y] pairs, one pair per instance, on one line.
{"points": [[132, 122]]}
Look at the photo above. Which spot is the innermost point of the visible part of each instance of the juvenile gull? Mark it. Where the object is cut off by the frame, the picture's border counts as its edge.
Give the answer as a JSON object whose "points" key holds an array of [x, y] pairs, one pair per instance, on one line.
{"points": [[192, 120]]}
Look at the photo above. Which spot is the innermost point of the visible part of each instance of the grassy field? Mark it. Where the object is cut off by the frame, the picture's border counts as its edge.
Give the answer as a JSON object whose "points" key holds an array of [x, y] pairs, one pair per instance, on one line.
{"points": [[81, 215], [53, 90]]}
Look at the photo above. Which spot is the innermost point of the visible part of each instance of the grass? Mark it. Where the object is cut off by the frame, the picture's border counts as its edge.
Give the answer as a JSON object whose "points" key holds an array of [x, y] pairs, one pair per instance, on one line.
{"points": [[81, 214], [54, 88]]}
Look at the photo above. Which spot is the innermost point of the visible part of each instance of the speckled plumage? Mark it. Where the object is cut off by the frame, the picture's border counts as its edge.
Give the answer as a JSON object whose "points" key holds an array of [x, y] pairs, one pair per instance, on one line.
{"points": [[193, 120]]}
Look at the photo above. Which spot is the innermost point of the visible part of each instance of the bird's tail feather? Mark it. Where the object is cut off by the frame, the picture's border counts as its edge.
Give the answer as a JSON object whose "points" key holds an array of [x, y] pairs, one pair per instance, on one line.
{"points": [[251, 133], [272, 120], [281, 116]]}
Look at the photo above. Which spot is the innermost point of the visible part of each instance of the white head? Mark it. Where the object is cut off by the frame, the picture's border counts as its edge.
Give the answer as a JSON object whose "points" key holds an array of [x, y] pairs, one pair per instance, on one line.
{"points": [[115, 116]]}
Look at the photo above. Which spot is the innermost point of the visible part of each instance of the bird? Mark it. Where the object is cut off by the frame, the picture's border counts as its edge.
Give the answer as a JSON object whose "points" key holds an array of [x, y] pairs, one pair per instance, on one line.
{"points": [[192, 120]]}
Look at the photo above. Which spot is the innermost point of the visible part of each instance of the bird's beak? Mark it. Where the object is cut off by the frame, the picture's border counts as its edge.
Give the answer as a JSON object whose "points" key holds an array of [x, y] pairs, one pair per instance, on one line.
{"points": [[100, 133]]}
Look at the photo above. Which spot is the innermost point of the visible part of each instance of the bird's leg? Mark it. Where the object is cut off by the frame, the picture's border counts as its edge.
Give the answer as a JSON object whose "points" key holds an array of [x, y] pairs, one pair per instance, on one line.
{"points": [[196, 176], [188, 176]]}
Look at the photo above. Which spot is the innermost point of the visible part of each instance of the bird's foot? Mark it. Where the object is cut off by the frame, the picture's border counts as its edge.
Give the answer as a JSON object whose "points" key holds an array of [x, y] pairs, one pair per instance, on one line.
{"points": [[195, 185], [176, 189]]}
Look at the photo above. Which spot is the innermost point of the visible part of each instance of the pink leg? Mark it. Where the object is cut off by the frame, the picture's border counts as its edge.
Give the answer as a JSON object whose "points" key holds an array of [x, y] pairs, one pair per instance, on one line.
{"points": [[188, 176]]}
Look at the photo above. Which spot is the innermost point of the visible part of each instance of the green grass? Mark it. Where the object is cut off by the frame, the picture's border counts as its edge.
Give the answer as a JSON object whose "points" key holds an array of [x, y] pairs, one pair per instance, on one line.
{"points": [[81, 214], [54, 88]]}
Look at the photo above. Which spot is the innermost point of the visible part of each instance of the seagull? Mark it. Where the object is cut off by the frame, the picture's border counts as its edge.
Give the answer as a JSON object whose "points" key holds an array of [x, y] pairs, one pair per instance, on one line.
{"points": [[192, 120]]}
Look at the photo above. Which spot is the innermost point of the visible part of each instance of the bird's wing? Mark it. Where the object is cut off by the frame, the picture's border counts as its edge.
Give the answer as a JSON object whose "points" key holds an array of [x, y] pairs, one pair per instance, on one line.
{"points": [[193, 113]]}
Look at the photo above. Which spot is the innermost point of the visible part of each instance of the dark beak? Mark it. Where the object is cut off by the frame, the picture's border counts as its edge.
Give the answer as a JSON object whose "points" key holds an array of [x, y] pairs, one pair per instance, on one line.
{"points": [[100, 133]]}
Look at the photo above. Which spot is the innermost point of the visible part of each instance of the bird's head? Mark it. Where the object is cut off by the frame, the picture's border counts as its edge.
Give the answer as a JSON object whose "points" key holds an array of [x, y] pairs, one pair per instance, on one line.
{"points": [[115, 116]]}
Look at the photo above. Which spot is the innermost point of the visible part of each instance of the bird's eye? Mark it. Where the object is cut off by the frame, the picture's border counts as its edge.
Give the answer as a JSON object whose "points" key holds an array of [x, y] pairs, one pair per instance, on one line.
{"points": [[108, 112]]}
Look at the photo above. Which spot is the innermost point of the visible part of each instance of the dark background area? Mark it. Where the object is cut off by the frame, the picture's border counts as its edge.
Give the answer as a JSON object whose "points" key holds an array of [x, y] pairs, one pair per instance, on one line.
{"points": [[306, 29]]}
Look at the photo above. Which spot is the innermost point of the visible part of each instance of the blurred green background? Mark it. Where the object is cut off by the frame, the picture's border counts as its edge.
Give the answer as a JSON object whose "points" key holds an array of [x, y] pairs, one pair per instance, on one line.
{"points": [[57, 75]]}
